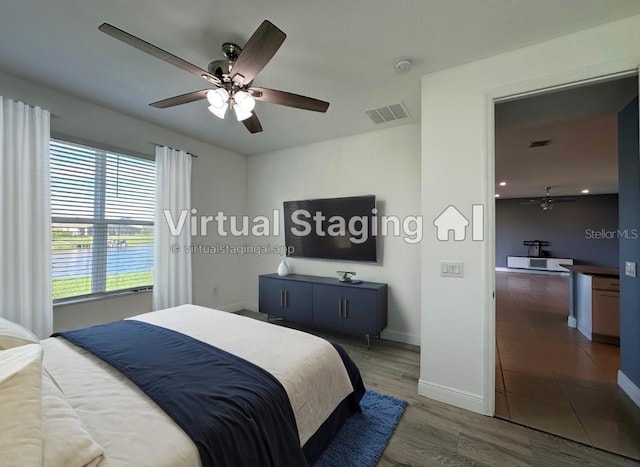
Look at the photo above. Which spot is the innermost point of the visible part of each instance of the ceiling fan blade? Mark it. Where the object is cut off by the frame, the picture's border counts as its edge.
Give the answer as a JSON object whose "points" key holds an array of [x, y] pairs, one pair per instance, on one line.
{"points": [[564, 200], [531, 202], [182, 99], [253, 124], [289, 99], [259, 49], [156, 52]]}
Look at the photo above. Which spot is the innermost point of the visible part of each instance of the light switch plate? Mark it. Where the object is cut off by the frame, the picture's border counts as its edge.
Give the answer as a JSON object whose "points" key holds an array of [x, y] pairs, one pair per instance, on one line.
{"points": [[451, 269], [630, 268]]}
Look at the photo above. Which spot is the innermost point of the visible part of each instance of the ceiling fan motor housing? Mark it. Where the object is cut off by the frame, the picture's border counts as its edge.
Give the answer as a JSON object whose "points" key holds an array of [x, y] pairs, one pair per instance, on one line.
{"points": [[221, 69]]}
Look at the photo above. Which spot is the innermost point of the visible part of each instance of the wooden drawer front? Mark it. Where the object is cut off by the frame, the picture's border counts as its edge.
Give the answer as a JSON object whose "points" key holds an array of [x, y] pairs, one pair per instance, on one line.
{"points": [[606, 313], [606, 283]]}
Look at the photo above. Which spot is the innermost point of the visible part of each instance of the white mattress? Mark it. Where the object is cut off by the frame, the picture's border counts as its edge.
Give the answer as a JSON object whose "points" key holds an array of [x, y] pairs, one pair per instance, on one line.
{"points": [[133, 430]]}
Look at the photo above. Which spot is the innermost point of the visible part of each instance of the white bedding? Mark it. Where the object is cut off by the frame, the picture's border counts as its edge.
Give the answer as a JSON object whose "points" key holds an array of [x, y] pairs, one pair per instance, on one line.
{"points": [[133, 430]]}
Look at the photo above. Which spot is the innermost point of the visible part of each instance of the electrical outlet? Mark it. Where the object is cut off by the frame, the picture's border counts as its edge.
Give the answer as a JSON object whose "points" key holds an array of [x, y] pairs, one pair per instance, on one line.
{"points": [[630, 268], [451, 269]]}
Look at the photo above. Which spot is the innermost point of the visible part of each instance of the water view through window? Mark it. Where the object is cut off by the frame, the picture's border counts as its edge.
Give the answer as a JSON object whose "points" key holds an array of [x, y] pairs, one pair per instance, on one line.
{"points": [[102, 206]]}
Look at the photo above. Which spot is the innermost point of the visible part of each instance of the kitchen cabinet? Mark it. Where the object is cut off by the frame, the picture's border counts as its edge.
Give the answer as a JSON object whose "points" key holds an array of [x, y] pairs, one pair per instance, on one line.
{"points": [[606, 307]]}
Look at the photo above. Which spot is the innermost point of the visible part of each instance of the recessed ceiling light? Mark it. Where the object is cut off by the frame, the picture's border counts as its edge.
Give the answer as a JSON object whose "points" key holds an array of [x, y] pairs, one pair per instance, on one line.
{"points": [[585, 191], [497, 195], [503, 183]]}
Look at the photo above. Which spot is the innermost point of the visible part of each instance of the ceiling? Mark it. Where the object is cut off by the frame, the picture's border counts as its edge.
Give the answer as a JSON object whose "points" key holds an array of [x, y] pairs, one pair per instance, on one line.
{"points": [[338, 51], [583, 128]]}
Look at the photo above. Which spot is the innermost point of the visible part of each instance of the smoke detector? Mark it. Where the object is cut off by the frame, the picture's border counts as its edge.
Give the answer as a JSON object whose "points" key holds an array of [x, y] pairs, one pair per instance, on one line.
{"points": [[402, 65]]}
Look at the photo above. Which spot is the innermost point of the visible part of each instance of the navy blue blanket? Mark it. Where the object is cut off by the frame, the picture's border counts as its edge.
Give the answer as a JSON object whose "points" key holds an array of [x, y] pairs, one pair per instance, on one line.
{"points": [[236, 413]]}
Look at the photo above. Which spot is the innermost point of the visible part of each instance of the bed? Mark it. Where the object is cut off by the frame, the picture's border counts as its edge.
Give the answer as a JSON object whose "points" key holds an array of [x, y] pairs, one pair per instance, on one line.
{"points": [[117, 424]]}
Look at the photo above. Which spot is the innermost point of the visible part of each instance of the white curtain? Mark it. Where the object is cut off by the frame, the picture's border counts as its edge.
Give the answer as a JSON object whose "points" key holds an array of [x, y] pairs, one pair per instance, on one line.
{"points": [[172, 266], [25, 217]]}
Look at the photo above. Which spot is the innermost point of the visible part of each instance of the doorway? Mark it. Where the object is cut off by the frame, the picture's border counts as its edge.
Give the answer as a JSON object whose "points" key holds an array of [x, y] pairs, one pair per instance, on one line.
{"points": [[558, 201]]}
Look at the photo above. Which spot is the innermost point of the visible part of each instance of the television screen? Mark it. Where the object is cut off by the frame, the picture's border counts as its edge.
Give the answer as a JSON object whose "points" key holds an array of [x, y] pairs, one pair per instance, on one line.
{"points": [[333, 228]]}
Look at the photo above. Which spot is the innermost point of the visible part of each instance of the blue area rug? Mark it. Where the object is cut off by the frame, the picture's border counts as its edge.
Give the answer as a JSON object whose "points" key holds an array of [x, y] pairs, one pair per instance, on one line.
{"points": [[364, 436]]}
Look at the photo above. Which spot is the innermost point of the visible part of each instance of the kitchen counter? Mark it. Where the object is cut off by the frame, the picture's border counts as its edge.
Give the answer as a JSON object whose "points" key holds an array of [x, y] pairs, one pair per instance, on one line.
{"points": [[594, 302], [592, 270]]}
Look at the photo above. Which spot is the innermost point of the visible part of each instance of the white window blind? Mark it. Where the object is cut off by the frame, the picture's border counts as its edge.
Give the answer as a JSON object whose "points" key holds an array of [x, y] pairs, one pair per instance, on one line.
{"points": [[102, 206]]}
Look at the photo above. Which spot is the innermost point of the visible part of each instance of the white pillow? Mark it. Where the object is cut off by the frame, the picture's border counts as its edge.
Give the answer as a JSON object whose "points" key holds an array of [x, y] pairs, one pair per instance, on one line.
{"points": [[21, 406], [13, 335], [66, 441]]}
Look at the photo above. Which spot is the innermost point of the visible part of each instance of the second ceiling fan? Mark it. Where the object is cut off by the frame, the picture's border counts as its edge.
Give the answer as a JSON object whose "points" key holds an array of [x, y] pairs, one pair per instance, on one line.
{"points": [[547, 203], [231, 77]]}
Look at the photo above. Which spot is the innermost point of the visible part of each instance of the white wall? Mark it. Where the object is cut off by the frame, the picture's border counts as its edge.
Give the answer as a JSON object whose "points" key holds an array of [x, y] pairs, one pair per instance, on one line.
{"points": [[385, 163], [218, 183], [457, 157], [80, 315]]}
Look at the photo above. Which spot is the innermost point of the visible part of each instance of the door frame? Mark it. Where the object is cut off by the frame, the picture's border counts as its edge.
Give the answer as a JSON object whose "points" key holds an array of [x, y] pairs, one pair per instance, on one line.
{"points": [[576, 78]]}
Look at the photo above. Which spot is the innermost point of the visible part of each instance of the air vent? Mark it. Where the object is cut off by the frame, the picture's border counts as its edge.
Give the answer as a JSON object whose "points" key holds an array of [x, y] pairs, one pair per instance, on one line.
{"points": [[540, 143], [388, 113]]}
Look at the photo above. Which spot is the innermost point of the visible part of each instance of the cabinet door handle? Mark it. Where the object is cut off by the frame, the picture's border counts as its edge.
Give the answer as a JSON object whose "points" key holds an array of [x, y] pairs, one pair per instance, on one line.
{"points": [[339, 307], [286, 298], [346, 308], [281, 298]]}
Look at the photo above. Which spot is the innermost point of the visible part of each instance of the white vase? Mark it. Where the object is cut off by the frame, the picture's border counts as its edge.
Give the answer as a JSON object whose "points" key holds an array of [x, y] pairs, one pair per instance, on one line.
{"points": [[283, 269]]}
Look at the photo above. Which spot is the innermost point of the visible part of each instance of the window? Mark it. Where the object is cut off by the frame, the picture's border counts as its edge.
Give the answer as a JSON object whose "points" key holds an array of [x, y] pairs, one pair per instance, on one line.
{"points": [[102, 208]]}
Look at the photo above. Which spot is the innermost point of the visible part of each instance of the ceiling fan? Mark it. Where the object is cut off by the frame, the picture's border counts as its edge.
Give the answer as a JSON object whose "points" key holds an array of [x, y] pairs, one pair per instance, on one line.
{"points": [[232, 77], [548, 202]]}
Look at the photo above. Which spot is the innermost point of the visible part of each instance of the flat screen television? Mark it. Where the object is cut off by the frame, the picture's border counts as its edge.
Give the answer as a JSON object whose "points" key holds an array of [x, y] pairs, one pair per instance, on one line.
{"points": [[332, 228]]}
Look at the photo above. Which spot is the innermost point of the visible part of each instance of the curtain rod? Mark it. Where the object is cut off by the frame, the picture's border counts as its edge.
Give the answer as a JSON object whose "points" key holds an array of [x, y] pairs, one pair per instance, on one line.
{"points": [[191, 154], [103, 146]]}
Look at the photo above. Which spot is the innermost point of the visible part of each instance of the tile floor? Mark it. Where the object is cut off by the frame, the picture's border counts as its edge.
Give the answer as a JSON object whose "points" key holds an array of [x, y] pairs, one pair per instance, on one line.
{"points": [[552, 378]]}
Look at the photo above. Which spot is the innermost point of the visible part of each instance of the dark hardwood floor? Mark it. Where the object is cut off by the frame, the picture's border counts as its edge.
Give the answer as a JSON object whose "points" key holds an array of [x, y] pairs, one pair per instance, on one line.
{"points": [[436, 434], [551, 377]]}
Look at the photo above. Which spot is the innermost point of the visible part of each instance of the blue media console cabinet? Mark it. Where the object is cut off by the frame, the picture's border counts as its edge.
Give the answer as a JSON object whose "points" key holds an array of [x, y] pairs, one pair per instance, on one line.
{"points": [[325, 303]]}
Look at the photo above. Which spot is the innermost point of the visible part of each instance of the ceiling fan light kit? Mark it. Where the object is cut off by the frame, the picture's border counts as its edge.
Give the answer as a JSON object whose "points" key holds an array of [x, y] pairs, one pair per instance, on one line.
{"points": [[232, 77], [217, 97], [219, 111], [244, 100], [241, 115]]}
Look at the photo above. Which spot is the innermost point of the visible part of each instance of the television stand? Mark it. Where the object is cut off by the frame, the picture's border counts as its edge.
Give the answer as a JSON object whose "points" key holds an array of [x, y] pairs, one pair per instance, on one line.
{"points": [[325, 303], [539, 263]]}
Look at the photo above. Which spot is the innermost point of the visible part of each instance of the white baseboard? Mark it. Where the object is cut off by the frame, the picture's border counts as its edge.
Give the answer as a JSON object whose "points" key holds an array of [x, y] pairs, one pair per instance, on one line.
{"points": [[463, 399], [387, 334], [403, 337], [629, 387], [584, 331], [572, 322]]}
